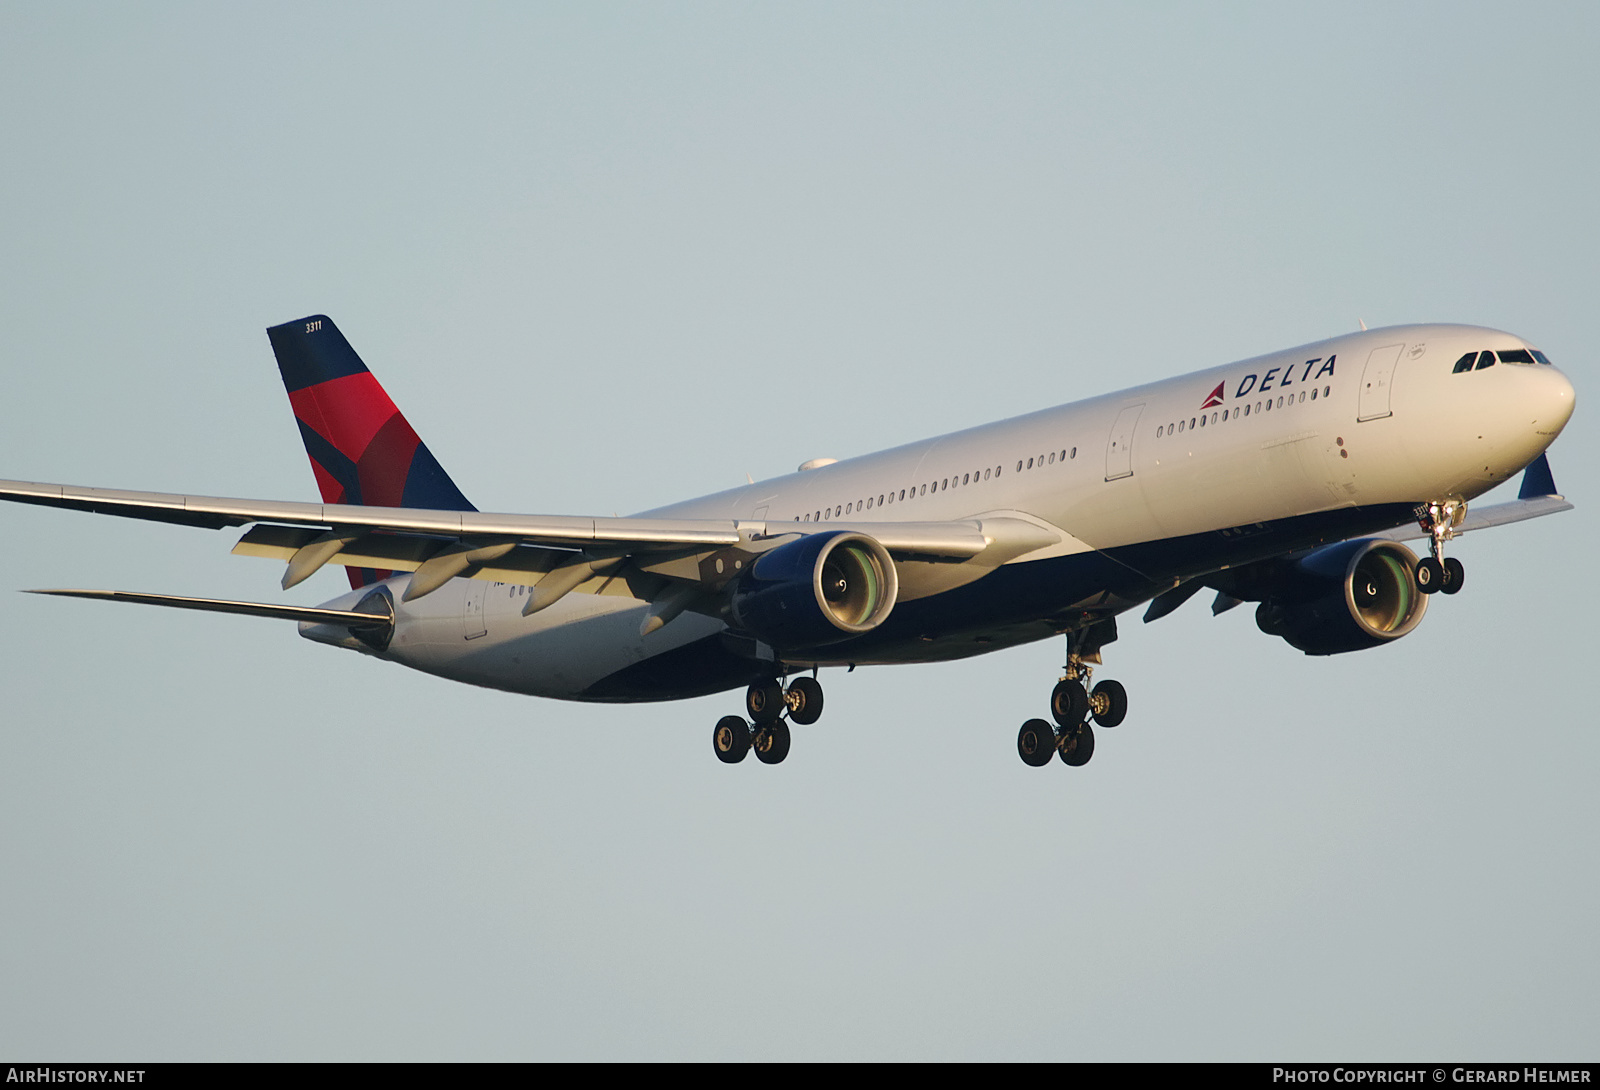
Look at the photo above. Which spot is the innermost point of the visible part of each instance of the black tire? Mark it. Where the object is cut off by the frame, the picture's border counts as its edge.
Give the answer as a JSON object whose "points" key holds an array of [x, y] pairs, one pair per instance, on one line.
{"points": [[1069, 704], [1109, 703], [1430, 575], [806, 695], [1078, 747], [731, 739], [1036, 743], [763, 702], [1454, 576], [771, 743]]}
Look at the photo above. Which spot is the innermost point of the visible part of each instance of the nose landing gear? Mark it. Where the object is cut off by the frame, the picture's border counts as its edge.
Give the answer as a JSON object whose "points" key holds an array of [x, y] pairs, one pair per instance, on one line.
{"points": [[1438, 572], [767, 702]]}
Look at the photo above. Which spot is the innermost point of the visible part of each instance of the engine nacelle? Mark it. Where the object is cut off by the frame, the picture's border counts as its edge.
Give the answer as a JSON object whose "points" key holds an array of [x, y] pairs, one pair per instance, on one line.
{"points": [[815, 591], [1345, 597]]}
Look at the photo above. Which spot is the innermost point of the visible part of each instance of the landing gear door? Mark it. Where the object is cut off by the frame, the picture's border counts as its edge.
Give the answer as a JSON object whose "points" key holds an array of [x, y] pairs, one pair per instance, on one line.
{"points": [[1119, 451], [1376, 382]]}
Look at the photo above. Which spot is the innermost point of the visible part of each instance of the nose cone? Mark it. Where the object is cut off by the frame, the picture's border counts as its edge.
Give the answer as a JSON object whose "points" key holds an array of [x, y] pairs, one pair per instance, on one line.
{"points": [[1552, 400]]}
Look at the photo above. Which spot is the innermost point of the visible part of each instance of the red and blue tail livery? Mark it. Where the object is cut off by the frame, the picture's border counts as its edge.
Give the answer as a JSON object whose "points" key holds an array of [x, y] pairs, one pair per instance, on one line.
{"points": [[362, 449]]}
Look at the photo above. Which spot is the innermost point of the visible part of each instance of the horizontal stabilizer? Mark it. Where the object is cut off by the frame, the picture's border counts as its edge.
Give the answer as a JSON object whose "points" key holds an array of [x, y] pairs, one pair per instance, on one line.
{"points": [[311, 614]]}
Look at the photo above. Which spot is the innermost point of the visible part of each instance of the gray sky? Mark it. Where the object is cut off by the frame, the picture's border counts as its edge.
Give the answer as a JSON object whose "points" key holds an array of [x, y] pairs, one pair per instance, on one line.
{"points": [[605, 257]]}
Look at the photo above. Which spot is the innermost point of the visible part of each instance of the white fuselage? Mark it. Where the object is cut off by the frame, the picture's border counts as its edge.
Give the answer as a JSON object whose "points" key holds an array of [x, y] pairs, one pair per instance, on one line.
{"points": [[1150, 482]]}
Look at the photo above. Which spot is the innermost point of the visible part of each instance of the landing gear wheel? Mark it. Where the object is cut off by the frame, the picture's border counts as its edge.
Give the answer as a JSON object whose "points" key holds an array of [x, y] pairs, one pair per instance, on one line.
{"points": [[1430, 575], [771, 743], [731, 739], [764, 701], [1108, 704], [1069, 703], [1454, 575], [805, 701], [1036, 743], [1078, 746]]}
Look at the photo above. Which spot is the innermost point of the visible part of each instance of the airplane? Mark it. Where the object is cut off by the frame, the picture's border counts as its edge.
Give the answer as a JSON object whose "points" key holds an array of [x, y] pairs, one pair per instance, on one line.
{"points": [[1290, 480]]}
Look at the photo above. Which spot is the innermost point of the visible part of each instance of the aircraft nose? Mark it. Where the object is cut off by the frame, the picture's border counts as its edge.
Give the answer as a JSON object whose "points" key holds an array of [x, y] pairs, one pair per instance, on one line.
{"points": [[1552, 402]]}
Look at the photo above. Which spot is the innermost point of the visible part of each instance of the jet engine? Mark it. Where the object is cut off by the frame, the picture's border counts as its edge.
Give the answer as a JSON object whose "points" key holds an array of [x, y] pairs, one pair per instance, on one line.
{"points": [[818, 590], [1344, 597]]}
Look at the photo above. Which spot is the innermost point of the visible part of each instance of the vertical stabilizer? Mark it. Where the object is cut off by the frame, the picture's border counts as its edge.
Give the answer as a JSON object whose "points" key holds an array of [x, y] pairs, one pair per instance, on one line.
{"points": [[362, 449]]}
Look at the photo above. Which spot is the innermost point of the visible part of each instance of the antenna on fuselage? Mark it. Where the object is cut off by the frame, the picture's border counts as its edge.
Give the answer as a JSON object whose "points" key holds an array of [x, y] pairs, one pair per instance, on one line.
{"points": [[1363, 325]]}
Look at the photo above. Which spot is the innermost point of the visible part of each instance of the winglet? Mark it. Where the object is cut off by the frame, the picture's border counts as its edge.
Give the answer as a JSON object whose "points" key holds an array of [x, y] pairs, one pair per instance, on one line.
{"points": [[1538, 480]]}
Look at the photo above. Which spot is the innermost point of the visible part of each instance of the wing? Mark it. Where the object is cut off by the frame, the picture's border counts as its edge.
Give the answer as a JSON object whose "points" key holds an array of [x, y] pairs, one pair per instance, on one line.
{"points": [[556, 554]]}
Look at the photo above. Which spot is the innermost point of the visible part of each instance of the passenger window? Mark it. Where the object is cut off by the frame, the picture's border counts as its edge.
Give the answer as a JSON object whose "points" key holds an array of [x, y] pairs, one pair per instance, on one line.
{"points": [[1464, 363], [1485, 359]]}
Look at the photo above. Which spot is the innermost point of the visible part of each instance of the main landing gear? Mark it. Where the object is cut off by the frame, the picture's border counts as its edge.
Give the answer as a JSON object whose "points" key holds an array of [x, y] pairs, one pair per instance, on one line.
{"points": [[767, 703], [1073, 705], [1439, 572]]}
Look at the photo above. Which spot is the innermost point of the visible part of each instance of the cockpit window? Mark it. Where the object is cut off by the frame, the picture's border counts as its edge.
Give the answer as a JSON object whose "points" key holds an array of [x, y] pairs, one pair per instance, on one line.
{"points": [[1477, 361]]}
